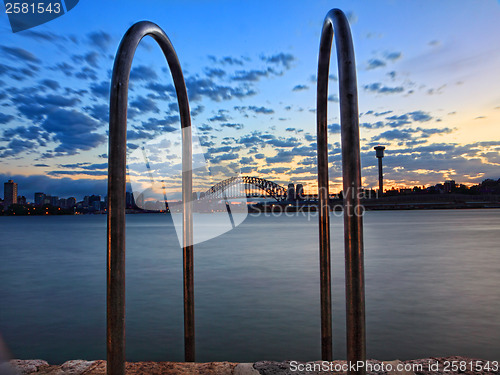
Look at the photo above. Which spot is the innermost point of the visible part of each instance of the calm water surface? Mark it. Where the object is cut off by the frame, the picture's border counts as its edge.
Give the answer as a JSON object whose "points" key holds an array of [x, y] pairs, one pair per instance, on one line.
{"points": [[432, 287]]}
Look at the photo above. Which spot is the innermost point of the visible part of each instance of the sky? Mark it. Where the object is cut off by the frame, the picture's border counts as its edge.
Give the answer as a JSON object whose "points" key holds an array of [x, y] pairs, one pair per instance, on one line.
{"points": [[428, 82]]}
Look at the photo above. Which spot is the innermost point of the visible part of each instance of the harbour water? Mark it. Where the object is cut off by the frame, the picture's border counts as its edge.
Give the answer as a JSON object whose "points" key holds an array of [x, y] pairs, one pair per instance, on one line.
{"points": [[432, 282]]}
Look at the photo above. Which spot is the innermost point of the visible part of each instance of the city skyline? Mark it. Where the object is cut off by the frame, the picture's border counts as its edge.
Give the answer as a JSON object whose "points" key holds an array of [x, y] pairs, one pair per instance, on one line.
{"points": [[428, 91], [41, 198]]}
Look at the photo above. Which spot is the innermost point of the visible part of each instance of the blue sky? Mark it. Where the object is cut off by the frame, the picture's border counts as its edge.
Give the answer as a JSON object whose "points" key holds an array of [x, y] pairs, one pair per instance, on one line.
{"points": [[428, 80]]}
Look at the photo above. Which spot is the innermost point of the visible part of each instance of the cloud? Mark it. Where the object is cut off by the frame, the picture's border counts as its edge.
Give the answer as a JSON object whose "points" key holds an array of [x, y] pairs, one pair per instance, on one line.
{"points": [[100, 39], [250, 75], [45, 36], [74, 131], [300, 88], [227, 60], [20, 53], [160, 125], [410, 134], [73, 173], [87, 73], [35, 107], [308, 151], [352, 17], [283, 156], [223, 157], [397, 121], [420, 116], [255, 138], [333, 98], [5, 118], [5, 69], [283, 142], [144, 104], [201, 87], [284, 59], [91, 58], [48, 100], [393, 56], [161, 91], [246, 160], [65, 68], [374, 64], [334, 128], [86, 166], [205, 128], [232, 125], [372, 125], [197, 110], [221, 116], [214, 73], [16, 146], [50, 83], [275, 170], [32, 132], [225, 149], [261, 110], [99, 112], [380, 89], [143, 73], [101, 89]]}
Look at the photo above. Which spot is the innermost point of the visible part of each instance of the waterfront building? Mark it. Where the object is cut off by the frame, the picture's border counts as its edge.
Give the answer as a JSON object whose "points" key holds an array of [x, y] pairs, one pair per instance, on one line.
{"points": [[71, 202], [449, 186], [129, 200], [380, 154], [299, 192], [9, 194], [39, 198], [290, 195]]}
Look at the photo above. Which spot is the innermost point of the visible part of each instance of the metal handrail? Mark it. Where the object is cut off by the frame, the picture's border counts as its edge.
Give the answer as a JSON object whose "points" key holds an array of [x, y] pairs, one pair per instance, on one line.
{"points": [[351, 171], [116, 193]]}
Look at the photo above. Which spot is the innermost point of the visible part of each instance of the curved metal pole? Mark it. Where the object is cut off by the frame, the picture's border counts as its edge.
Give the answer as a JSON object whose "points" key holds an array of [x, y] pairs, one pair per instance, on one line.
{"points": [[116, 193], [351, 171]]}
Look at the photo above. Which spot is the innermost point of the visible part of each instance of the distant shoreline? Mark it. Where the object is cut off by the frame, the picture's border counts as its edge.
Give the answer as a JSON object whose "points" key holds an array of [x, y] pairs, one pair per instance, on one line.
{"points": [[380, 204]]}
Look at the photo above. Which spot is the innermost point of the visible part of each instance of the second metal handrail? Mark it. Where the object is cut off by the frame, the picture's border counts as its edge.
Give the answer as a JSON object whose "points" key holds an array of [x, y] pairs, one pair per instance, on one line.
{"points": [[351, 171]]}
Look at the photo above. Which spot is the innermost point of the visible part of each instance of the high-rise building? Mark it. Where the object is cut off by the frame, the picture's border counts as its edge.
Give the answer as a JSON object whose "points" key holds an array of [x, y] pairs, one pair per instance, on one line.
{"points": [[380, 154], [53, 200], [71, 202], [39, 197], [9, 193], [299, 191], [290, 194], [449, 186]]}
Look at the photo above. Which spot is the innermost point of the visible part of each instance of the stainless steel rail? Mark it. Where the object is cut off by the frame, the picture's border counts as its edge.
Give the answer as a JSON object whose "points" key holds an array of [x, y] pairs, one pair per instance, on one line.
{"points": [[116, 193], [351, 171]]}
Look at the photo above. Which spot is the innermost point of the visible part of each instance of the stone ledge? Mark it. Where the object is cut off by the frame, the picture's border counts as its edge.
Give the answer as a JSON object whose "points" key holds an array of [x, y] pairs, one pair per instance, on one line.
{"points": [[81, 367]]}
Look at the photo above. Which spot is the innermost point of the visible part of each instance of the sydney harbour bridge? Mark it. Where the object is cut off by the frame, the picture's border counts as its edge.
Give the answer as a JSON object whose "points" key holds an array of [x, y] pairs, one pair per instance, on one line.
{"points": [[247, 186]]}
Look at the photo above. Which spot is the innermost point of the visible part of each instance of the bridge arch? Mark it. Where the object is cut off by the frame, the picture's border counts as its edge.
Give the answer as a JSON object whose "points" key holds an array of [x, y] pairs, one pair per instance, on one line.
{"points": [[219, 190]]}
